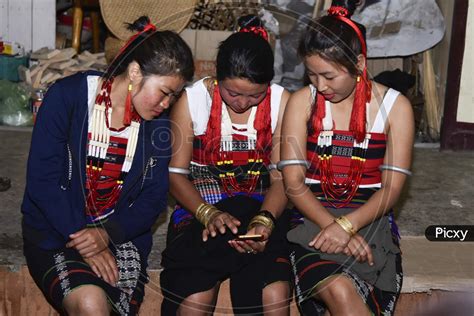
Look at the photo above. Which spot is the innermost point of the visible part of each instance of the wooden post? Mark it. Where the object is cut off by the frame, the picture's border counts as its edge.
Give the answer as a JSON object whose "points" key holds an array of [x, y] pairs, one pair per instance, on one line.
{"points": [[77, 16]]}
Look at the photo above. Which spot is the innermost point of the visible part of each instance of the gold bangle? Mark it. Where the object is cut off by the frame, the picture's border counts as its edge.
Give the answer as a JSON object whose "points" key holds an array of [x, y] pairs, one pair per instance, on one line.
{"points": [[261, 220], [205, 212], [346, 224]]}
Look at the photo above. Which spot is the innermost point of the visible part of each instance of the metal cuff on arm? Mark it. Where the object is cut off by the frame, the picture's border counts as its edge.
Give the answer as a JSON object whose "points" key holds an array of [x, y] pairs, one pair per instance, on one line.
{"points": [[290, 162], [396, 169], [179, 170], [272, 166]]}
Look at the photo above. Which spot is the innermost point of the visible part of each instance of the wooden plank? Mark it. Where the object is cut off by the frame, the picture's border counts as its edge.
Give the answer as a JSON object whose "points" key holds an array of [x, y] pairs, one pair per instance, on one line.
{"points": [[44, 53], [24, 74], [19, 296], [63, 65]]}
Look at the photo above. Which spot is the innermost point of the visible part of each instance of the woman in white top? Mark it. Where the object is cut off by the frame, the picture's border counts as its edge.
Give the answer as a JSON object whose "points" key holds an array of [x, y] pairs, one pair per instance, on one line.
{"points": [[222, 173], [346, 158]]}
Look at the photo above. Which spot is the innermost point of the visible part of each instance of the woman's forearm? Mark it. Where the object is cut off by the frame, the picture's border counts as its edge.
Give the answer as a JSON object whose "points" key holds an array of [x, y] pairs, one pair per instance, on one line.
{"points": [[304, 200], [275, 200], [378, 205], [184, 192]]}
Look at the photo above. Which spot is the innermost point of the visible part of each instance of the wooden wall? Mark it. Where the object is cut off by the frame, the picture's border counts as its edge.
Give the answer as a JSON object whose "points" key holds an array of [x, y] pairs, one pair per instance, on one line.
{"points": [[32, 23]]}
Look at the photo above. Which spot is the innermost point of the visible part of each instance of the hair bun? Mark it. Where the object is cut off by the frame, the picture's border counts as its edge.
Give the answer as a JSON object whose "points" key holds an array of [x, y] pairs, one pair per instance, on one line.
{"points": [[345, 8], [252, 24], [139, 24], [248, 21]]}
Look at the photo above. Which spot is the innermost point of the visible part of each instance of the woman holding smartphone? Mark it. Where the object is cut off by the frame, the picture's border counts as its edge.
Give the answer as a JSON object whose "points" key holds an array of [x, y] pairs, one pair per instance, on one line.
{"points": [[222, 173]]}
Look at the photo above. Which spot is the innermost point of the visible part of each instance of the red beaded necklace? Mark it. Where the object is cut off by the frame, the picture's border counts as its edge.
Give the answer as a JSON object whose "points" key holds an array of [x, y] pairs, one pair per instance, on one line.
{"points": [[225, 163], [98, 143], [341, 191]]}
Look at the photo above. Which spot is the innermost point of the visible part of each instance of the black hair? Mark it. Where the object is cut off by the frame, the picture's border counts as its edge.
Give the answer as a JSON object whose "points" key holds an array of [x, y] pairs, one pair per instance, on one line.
{"points": [[333, 39], [161, 53], [245, 55]]}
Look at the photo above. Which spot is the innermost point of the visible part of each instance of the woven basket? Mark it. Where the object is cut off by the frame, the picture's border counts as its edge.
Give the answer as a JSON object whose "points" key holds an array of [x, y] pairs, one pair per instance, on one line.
{"points": [[165, 14]]}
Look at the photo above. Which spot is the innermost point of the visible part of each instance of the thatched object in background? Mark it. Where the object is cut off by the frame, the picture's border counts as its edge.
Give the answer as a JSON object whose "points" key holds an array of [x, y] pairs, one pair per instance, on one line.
{"points": [[221, 15]]}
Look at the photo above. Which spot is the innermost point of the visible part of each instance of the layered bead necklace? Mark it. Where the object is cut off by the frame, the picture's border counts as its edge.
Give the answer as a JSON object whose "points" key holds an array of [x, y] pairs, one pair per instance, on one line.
{"points": [[98, 145], [341, 191], [225, 162]]}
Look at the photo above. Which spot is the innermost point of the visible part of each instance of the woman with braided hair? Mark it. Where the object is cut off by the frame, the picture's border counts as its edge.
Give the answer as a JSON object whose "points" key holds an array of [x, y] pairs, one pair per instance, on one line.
{"points": [[222, 174], [97, 175], [345, 157]]}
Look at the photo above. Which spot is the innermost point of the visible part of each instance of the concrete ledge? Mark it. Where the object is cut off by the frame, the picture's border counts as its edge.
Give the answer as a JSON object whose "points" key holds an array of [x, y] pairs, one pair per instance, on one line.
{"points": [[431, 265]]}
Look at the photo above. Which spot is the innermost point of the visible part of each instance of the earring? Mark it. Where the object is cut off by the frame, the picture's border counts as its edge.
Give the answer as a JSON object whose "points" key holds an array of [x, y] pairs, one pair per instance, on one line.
{"points": [[358, 78], [127, 116]]}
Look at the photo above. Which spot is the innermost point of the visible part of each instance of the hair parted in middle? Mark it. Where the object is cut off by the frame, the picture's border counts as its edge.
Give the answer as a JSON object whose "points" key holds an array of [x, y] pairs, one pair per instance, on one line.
{"points": [[338, 39], [243, 55], [246, 54]]}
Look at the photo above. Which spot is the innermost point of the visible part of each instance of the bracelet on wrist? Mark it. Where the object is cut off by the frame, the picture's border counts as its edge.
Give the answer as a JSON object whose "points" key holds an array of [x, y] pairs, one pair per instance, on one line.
{"points": [[346, 224], [264, 218], [205, 212]]}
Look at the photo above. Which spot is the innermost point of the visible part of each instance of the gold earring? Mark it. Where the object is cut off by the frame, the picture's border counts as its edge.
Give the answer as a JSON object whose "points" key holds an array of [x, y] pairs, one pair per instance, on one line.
{"points": [[358, 78]]}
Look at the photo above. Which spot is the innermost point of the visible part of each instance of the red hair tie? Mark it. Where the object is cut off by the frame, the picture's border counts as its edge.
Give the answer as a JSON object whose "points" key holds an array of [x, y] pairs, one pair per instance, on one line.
{"points": [[149, 27], [258, 30], [336, 10]]}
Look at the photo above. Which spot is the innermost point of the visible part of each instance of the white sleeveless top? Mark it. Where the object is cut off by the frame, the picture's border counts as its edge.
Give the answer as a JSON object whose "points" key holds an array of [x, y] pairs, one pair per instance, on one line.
{"points": [[199, 103], [382, 114]]}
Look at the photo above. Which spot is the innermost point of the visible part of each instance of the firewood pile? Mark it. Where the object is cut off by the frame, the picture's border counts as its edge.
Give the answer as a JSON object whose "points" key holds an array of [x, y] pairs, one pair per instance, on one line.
{"points": [[49, 65]]}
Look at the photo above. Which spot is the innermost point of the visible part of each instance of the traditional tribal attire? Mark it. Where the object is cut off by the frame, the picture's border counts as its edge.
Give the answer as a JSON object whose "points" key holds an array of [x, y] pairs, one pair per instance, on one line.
{"points": [[77, 180], [379, 286], [234, 179]]}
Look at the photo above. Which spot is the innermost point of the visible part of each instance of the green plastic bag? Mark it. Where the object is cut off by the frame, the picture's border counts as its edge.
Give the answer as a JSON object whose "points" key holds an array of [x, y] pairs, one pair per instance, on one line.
{"points": [[14, 105]]}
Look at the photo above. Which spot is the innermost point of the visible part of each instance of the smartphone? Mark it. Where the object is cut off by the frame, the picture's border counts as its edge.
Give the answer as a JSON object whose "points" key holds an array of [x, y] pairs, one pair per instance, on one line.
{"points": [[250, 237]]}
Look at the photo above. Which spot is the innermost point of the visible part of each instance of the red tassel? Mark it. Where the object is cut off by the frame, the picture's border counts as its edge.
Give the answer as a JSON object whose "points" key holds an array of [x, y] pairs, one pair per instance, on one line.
{"points": [[213, 131], [358, 116], [320, 114], [127, 116], [263, 123]]}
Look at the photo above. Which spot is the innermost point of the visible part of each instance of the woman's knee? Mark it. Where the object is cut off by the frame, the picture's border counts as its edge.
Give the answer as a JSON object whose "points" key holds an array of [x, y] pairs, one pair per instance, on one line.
{"points": [[87, 300], [276, 292], [276, 296], [337, 289], [199, 303], [341, 297]]}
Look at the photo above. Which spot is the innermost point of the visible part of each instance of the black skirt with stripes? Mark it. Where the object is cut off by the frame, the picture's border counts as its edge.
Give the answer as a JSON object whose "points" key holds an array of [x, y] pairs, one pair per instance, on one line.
{"points": [[193, 266], [310, 270], [57, 273]]}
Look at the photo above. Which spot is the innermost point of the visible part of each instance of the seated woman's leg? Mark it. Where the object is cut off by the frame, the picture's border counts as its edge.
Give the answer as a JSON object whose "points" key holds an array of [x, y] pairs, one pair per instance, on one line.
{"points": [[340, 296], [87, 300], [276, 297], [202, 303]]}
